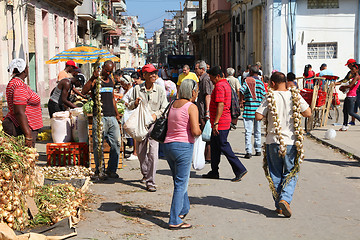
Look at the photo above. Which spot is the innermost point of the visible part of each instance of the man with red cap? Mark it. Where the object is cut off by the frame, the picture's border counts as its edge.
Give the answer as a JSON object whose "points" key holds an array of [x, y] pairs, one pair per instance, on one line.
{"points": [[70, 67], [154, 96]]}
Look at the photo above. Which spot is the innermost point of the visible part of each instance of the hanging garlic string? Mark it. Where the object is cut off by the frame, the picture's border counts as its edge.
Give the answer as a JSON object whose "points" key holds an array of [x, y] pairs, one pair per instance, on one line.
{"points": [[99, 123]]}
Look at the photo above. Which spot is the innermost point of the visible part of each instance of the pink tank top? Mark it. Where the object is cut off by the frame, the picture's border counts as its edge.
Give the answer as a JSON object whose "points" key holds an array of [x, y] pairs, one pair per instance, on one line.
{"points": [[352, 91], [179, 125]]}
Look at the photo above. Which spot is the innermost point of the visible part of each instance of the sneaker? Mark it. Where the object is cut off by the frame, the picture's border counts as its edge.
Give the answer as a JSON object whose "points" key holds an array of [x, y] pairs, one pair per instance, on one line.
{"points": [[207, 161], [248, 155], [258, 154], [99, 177], [285, 207], [232, 126], [211, 175], [238, 178], [132, 157], [112, 174], [351, 123], [344, 128]]}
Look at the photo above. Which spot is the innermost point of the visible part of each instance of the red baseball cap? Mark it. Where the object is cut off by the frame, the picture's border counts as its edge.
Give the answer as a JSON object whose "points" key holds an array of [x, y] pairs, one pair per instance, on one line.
{"points": [[350, 61], [149, 68], [71, 63]]}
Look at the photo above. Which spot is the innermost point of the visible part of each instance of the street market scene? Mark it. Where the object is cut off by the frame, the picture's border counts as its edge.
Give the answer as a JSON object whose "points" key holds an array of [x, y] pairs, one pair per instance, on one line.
{"points": [[206, 119]]}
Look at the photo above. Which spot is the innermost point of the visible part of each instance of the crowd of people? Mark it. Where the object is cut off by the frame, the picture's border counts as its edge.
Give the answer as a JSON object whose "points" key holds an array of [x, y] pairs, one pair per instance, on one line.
{"points": [[195, 98]]}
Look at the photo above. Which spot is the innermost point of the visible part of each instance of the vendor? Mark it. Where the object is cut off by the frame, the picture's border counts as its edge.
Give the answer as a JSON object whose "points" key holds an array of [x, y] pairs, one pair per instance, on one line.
{"points": [[24, 117], [59, 98]]}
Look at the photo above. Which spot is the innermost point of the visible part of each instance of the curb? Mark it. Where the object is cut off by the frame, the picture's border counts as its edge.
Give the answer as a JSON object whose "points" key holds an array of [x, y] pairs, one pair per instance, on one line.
{"points": [[342, 150]]}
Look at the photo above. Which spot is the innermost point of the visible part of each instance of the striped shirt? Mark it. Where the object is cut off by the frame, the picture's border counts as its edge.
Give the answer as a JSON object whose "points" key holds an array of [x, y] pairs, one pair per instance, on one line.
{"points": [[221, 93], [251, 104], [18, 93]]}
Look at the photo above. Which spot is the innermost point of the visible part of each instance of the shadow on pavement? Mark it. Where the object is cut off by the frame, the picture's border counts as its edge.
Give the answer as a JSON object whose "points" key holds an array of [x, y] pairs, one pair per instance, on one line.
{"points": [[221, 202], [353, 177], [136, 211], [340, 163], [132, 183], [167, 172]]}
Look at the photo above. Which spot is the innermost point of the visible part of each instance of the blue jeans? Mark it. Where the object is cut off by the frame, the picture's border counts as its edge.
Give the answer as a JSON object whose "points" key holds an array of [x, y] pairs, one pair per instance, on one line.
{"points": [[111, 134], [279, 168], [179, 157], [251, 124], [357, 103], [348, 109], [219, 144]]}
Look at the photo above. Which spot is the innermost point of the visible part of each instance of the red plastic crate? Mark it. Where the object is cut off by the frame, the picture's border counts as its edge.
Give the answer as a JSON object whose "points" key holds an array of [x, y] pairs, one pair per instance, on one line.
{"points": [[307, 94], [64, 154]]}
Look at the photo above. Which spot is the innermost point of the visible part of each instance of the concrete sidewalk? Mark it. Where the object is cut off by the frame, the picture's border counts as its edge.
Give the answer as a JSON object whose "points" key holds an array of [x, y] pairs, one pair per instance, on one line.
{"points": [[347, 142]]}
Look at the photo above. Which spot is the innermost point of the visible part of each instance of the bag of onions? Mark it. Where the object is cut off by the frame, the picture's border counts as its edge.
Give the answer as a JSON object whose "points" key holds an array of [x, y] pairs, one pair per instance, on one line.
{"points": [[17, 164]]}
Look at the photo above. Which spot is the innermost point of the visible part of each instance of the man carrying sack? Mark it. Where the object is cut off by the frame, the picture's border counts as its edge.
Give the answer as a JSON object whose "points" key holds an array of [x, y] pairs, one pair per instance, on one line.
{"points": [[154, 96]]}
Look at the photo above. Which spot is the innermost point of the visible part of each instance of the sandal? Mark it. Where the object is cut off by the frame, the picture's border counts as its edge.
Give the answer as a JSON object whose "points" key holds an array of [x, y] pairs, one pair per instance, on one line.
{"points": [[151, 188], [182, 216], [180, 226]]}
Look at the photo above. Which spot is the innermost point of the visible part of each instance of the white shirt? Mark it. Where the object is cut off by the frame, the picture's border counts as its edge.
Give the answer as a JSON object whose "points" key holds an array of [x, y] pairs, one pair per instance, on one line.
{"points": [[284, 109], [160, 82]]}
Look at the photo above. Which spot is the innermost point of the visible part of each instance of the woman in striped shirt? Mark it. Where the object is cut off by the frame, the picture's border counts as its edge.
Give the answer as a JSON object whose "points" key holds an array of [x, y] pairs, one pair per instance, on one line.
{"points": [[24, 117]]}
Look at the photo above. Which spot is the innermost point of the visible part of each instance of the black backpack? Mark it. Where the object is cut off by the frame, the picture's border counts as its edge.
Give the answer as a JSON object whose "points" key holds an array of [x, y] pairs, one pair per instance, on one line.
{"points": [[235, 106]]}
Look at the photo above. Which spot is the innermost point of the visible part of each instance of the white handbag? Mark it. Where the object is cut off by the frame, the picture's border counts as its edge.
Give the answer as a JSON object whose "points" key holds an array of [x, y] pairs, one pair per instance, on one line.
{"points": [[198, 154]]}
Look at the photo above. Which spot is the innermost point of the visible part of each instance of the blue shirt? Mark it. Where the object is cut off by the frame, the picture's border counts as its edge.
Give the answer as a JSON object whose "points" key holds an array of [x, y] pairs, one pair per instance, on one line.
{"points": [[251, 104], [326, 72]]}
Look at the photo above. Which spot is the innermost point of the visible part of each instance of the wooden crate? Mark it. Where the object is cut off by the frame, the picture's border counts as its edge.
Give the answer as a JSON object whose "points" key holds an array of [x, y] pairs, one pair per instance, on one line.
{"points": [[106, 151]]}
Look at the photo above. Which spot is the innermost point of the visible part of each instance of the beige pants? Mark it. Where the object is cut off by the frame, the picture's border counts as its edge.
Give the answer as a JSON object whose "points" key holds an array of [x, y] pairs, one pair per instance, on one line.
{"points": [[148, 154]]}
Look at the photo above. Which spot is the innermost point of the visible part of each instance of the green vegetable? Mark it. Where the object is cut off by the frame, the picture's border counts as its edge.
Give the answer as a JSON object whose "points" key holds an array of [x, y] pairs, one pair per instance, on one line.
{"points": [[88, 107], [120, 107]]}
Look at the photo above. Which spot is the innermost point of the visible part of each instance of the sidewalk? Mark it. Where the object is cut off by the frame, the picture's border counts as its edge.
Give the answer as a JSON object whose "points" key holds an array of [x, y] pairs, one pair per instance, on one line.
{"points": [[347, 142]]}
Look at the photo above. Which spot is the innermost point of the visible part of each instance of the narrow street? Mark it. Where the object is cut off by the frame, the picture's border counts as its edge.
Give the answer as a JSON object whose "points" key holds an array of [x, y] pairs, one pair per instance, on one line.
{"points": [[325, 204]]}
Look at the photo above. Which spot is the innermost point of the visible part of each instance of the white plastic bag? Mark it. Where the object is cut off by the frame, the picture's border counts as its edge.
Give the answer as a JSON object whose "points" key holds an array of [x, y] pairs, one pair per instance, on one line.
{"points": [[79, 126], [330, 134], [206, 134], [198, 153], [137, 124], [61, 127]]}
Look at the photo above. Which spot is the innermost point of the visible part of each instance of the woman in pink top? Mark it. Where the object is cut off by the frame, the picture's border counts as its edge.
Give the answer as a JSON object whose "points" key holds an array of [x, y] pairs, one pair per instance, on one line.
{"points": [[350, 99], [183, 127]]}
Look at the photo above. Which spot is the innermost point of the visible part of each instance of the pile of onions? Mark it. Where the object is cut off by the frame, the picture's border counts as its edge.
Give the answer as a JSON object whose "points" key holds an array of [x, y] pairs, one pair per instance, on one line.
{"points": [[67, 172], [56, 202], [17, 175]]}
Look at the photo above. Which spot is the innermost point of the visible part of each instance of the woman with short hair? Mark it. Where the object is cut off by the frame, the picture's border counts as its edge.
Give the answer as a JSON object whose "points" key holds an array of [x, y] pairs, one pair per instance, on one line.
{"points": [[183, 127]]}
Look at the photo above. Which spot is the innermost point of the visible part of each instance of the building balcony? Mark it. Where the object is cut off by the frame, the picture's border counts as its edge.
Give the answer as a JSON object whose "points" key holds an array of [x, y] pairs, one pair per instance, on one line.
{"points": [[119, 5], [87, 10], [102, 19]]}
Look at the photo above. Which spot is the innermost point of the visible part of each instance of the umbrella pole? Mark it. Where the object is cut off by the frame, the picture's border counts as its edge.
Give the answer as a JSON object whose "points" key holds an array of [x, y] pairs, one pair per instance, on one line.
{"points": [[99, 122]]}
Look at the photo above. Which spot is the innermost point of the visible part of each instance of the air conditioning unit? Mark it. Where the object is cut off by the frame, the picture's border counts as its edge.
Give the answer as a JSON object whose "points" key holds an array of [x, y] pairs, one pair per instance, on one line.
{"points": [[240, 28]]}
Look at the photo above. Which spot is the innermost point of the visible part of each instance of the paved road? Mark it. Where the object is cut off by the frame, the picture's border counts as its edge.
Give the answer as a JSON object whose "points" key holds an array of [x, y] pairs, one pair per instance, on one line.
{"points": [[325, 204]]}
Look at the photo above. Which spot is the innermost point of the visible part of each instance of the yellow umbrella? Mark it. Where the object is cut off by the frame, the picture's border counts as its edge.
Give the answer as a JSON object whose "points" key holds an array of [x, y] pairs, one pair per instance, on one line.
{"points": [[83, 55]]}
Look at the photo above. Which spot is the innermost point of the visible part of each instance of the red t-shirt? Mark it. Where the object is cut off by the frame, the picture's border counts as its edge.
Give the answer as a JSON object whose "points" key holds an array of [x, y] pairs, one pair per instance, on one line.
{"points": [[221, 93], [18, 93]]}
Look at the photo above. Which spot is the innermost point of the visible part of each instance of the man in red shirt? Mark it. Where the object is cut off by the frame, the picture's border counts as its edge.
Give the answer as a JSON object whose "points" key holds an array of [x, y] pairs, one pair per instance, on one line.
{"points": [[220, 118]]}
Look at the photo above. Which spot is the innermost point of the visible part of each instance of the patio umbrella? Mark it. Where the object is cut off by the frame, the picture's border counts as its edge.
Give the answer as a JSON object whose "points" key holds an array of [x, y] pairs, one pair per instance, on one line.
{"points": [[83, 55]]}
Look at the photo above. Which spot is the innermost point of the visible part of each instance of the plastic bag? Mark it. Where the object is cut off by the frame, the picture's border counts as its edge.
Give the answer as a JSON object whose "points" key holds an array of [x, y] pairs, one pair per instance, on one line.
{"points": [[198, 154], [330, 134], [137, 124], [61, 127], [206, 134]]}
